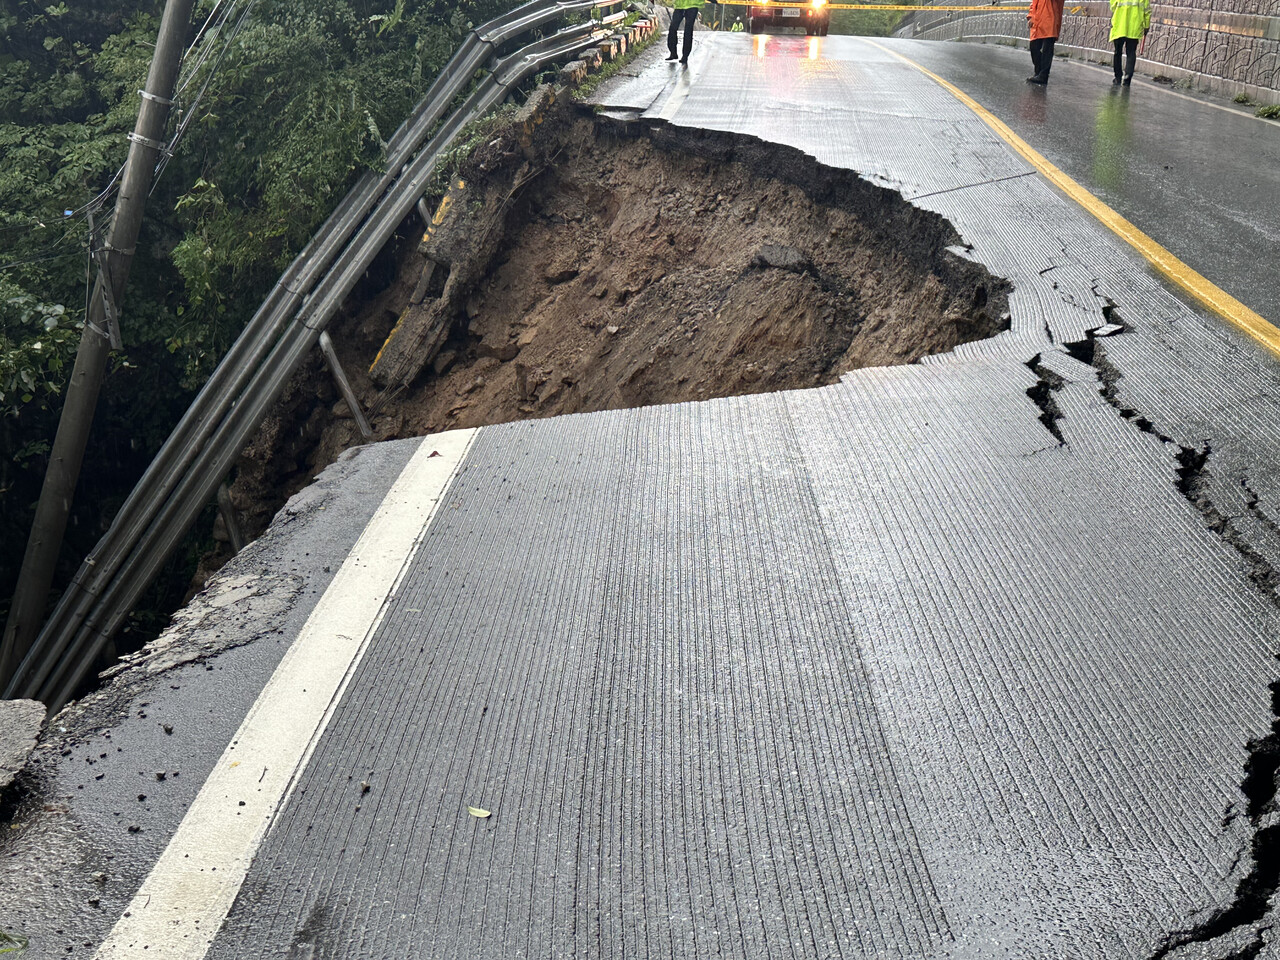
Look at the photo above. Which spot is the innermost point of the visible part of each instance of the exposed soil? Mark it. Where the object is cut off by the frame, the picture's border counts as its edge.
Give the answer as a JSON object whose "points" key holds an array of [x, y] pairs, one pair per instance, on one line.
{"points": [[612, 265]]}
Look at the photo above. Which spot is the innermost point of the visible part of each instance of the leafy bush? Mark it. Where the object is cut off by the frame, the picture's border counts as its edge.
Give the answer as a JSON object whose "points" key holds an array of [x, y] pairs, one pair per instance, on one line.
{"points": [[865, 23], [35, 342], [302, 103]]}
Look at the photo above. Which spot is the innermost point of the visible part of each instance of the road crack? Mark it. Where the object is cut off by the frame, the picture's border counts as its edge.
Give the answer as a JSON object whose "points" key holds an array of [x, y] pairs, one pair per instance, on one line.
{"points": [[1252, 898], [1244, 915], [1193, 485], [1041, 395]]}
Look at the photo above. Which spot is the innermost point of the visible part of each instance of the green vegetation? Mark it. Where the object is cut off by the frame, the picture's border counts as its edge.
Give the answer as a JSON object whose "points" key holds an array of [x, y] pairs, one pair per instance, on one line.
{"points": [[12, 943], [1242, 98], [866, 23], [611, 67], [1271, 112], [300, 105], [479, 131]]}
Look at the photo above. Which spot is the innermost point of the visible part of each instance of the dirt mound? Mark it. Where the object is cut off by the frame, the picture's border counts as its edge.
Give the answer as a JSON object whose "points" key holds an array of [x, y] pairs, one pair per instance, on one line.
{"points": [[614, 265]]}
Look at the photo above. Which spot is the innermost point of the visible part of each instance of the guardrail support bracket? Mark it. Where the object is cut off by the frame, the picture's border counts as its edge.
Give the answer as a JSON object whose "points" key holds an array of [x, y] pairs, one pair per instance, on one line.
{"points": [[229, 519], [344, 386]]}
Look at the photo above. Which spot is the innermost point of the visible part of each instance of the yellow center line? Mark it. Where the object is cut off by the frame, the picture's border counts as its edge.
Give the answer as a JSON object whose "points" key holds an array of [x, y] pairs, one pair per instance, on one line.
{"points": [[1208, 293]]}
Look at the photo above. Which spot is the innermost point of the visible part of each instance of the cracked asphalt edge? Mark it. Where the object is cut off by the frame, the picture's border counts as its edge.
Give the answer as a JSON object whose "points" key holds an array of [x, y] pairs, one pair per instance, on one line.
{"points": [[65, 855], [1241, 928]]}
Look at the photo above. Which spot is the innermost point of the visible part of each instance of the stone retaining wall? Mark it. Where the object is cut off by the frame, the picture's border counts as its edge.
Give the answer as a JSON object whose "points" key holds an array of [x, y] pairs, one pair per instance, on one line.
{"points": [[1223, 47]]}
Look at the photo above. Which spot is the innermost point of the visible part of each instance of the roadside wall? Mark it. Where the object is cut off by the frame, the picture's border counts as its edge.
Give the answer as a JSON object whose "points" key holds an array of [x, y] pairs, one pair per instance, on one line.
{"points": [[1221, 46]]}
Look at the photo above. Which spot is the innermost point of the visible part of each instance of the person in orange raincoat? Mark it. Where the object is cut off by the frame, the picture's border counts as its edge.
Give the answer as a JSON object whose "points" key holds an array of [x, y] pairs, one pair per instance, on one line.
{"points": [[1045, 22]]}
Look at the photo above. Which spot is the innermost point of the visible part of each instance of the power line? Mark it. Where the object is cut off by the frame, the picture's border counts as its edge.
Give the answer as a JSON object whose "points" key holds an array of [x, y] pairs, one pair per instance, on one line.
{"points": [[40, 259], [195, 57], [188, 113]]}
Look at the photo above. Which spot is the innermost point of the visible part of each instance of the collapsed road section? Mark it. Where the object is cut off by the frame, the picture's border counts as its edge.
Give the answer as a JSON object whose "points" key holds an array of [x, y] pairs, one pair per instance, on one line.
{"points": [[628, 264], [593, 265]]}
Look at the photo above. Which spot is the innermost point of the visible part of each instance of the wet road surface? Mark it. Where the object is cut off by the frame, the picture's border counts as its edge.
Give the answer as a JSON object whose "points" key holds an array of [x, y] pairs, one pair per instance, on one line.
{"points": [[1201, 178]]}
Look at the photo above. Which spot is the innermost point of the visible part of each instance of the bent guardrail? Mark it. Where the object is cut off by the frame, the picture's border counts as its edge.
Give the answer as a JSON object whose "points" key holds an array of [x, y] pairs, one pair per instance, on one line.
{"points": [[205, 443]]}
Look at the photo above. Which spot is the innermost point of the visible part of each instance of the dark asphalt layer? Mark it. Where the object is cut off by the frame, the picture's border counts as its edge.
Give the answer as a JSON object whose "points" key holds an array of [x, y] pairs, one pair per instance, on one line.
{"points": [[1202, 180], [109, 764]]}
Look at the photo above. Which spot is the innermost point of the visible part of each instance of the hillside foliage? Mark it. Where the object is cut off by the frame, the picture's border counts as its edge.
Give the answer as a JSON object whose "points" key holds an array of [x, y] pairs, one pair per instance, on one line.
{"points": [[302, 102]]}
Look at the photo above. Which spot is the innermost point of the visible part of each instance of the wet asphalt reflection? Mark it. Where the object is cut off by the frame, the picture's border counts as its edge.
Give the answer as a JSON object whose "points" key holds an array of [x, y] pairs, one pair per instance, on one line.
{"points": [[1198, 176]]}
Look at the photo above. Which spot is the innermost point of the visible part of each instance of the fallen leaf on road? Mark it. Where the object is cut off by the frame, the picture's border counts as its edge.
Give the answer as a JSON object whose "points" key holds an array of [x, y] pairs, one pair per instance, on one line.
{"points": [[12, 943], [477, 812]]}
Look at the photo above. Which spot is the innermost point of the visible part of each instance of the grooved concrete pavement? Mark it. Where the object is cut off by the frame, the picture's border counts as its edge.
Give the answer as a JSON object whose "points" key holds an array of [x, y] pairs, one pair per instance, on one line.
{"points": [[677, 739]]}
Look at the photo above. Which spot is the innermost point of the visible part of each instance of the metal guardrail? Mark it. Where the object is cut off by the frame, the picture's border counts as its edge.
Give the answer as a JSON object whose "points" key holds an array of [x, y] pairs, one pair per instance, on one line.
{"points": [[203, 446]]}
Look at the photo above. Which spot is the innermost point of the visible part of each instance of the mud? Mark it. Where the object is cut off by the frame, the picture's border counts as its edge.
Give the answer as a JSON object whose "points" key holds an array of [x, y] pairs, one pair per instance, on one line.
{"points": [[616, 265]]}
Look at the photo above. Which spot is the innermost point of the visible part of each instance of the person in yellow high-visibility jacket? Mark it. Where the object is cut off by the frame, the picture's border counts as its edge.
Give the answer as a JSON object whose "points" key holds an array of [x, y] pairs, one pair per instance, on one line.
{"points": [[1130, 21], [686, 10]]}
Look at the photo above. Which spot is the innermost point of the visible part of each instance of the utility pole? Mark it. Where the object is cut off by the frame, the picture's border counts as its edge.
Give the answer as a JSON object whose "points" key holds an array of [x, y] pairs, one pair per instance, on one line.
{"points": [[101, 332]]}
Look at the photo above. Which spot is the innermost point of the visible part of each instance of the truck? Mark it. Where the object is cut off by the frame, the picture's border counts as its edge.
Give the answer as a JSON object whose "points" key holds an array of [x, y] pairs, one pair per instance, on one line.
{"points": [[813, 17]]}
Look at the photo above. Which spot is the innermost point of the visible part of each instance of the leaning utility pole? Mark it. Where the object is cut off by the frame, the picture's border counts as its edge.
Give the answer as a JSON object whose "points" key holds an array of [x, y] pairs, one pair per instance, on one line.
{"points": [[101, 332]]}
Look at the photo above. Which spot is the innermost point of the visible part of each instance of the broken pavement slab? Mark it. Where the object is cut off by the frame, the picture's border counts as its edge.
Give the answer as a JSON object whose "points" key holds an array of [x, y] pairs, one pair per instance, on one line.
{"points": [[531, 115], [440, 238], [69, 863], [20, 725], [572, 74]]}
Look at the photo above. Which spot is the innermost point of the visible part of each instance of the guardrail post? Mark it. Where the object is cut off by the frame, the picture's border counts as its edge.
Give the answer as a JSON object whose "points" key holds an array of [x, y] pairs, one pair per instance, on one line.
{"points": [[228, 511], [344, 386]]}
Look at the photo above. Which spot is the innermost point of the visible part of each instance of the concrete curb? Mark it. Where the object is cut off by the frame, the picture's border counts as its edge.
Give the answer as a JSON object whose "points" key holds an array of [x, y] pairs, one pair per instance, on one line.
{"points": [[1222, 62], [612, 48]]}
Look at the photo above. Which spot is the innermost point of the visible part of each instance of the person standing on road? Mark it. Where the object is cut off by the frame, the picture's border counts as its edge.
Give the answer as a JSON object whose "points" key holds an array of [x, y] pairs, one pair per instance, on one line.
{"points": [[686, 10], [1045, 22], [1130, 21]]}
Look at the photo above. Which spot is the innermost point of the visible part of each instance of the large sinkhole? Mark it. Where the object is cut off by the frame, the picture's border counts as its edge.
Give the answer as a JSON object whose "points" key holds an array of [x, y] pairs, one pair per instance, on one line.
{"points": [[620, 265], [594, 264]]}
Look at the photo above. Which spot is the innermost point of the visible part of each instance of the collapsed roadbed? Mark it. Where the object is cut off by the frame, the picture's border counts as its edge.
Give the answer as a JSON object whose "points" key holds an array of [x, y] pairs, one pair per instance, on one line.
{"points": [[581, 263], [1098, 726]]}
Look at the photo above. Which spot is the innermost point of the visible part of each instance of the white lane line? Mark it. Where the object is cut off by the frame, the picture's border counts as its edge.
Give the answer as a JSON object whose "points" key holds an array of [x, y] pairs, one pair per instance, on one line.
{"points": [[1107, 71], [182, 903], [684, 81]]}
